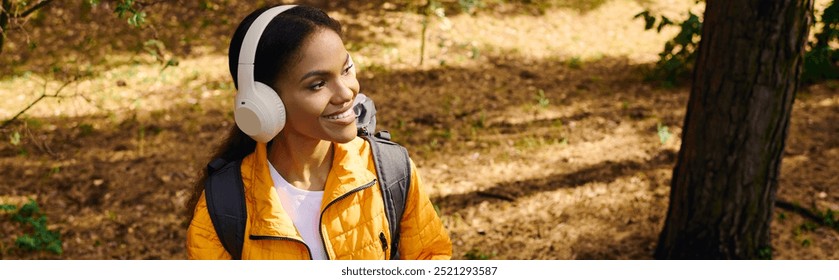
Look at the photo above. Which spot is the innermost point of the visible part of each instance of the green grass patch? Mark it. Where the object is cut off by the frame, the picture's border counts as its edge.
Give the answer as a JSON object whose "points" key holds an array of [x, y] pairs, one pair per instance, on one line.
{"points": [[476, 254]]}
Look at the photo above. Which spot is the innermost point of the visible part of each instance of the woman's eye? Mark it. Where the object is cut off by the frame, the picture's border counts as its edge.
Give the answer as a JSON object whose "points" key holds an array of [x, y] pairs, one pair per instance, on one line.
{"points": [[318, 85], [347, 70]]}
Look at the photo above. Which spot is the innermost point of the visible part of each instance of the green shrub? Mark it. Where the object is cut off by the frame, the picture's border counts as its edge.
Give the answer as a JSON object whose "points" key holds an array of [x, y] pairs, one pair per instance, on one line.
{"points": [[679, 54], [677, 59], [39, 238]]}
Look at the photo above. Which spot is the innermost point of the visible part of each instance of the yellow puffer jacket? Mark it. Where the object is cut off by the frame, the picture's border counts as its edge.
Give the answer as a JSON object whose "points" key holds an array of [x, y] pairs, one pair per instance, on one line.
{"points": [[352, 210]]}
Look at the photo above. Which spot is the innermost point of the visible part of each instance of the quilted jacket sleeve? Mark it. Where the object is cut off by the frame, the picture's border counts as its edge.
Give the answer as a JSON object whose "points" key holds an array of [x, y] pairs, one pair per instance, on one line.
{"points": [[202, 243], [422, 235]]}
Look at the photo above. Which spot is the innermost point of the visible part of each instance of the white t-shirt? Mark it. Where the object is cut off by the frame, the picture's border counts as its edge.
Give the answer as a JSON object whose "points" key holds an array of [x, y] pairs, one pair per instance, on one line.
{"points": [[304, 208]]}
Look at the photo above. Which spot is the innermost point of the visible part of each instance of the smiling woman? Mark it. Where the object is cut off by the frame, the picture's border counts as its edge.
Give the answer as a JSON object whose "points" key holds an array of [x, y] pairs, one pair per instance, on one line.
{"points": [[309, 182], [319, 91]]}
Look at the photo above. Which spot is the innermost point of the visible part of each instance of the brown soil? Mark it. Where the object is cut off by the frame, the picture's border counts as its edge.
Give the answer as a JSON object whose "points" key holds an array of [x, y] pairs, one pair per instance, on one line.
{"points": [[532, 147]]}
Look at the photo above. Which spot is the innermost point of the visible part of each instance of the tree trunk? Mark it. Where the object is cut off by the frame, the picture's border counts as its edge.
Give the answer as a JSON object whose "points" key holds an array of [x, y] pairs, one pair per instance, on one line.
{"points": [[744, 84]]}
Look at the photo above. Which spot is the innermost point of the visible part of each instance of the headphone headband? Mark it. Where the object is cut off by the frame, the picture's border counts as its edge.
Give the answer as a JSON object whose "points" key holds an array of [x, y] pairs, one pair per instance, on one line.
{"points": [[247, 54]]}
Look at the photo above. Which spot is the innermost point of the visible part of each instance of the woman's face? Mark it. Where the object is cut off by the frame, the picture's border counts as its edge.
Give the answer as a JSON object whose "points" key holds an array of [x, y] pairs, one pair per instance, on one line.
{"points": [[318, 91]]}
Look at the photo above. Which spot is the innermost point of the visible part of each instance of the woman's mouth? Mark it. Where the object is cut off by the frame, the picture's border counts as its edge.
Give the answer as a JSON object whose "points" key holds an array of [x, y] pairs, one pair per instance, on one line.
{"points": [[346, 116]]}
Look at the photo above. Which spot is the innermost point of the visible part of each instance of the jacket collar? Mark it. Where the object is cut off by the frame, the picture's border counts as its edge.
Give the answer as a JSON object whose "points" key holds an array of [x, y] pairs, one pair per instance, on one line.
{"points": [[351, 168]]}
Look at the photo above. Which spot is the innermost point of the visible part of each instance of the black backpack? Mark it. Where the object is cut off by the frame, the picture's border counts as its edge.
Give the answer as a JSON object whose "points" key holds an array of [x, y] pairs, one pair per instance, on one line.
{"points": [[224, 189]]}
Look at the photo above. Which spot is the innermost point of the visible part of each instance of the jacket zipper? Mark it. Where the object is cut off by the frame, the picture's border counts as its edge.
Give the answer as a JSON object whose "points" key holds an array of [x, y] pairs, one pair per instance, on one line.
{"points": [[333, 202], [265, 237]]}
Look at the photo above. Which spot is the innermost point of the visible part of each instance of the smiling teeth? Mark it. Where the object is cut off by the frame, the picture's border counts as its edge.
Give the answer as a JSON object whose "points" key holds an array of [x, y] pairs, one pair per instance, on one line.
{"points": [[341, 116]]}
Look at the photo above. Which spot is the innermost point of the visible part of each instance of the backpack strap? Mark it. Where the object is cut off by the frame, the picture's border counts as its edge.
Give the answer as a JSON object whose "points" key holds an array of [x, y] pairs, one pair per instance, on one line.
{"points": [[224, 192], [393, 168]]}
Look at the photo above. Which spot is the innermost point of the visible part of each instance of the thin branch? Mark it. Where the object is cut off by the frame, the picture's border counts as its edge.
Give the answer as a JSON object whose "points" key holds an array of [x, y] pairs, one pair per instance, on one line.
{"points": [[806, 213], [497, 195], [41, 145], [34, 8], [77, 94], [425, 21], [6, 15], [43, 95]]}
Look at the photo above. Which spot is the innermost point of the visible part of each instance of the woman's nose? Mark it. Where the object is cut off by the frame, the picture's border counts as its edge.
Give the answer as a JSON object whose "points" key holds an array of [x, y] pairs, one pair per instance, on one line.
{"points": [[346, 91]]}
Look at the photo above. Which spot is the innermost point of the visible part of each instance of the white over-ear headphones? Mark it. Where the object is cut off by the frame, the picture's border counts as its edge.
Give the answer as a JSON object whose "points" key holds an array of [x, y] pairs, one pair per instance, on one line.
{"points": [[258, 112]]}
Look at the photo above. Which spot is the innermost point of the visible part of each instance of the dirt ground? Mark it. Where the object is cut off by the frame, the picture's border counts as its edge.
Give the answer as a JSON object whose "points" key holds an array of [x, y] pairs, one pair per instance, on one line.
{"points": [[532, 126]]}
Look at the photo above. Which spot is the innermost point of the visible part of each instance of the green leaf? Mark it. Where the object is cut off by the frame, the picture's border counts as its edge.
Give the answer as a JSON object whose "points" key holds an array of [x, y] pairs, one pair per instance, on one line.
{"points": [[664, 22], [26, 242], [15, 138], [137, 19], [29, 209], [765, 253], [663, 133], [541, 99], [55, 247], [829, 219], [649, 20]]}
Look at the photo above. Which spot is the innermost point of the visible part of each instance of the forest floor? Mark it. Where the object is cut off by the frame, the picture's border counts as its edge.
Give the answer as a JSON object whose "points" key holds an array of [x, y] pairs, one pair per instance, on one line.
{"points": [[533, 127]]}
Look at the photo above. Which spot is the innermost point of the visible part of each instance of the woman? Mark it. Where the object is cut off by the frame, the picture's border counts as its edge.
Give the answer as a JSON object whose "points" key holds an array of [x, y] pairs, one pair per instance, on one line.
{"points": [[307, 190]]}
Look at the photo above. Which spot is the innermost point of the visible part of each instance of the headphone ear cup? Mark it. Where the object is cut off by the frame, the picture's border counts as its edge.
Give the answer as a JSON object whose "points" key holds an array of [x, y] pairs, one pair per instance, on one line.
{"points": [[274, 106], [261, 114]]}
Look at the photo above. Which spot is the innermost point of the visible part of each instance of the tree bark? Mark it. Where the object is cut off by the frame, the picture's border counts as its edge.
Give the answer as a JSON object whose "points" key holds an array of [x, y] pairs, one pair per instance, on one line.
{"points": [[744, 84]]}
